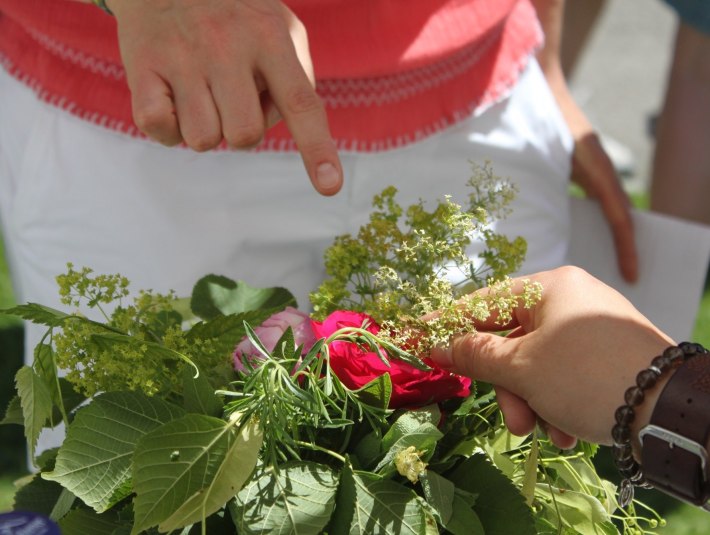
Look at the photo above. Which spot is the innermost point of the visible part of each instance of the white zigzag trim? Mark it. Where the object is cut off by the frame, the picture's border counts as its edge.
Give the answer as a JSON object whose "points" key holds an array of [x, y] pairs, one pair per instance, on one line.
{"points": [[66, 53], [69, 106], [365, 92]]}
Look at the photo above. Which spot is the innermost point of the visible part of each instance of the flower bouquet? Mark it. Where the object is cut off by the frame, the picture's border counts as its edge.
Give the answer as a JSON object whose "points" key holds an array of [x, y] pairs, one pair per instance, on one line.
{"points": [[233, 411]]}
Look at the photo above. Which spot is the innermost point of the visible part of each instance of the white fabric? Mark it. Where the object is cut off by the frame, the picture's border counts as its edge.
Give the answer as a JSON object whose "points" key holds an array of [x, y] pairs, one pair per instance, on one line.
{"points": [[72, 191]]}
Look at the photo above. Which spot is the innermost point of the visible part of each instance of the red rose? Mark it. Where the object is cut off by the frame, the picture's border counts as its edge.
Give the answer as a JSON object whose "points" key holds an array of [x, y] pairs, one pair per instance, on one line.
{"points": [[356, 366]]}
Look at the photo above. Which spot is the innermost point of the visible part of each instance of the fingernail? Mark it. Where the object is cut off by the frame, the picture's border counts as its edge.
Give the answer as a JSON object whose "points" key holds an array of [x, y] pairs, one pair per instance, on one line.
{"points": [[443, 357], [327, 176]]}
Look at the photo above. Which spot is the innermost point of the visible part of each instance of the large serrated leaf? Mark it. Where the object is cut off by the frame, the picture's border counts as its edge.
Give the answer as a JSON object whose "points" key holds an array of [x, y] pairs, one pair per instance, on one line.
{"points": [[45, 368], [215, 295], [94, 461], [38, 496], [298, 499], [174, 462], [238, 465], [86, 521], [500, 506], [36, 313], [381, 506], [439, 493], [464, 520], [13, 413], [199, 395], [36, 402]]}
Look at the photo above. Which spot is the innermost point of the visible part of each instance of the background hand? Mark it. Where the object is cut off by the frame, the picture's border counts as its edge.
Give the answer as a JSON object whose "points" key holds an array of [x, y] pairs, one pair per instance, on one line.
{"points": [[568, 360], [592, 169], [201, 71]]}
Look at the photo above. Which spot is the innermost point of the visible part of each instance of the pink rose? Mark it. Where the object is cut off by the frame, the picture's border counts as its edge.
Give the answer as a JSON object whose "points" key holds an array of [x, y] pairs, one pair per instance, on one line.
{"points": [[356, 366], [272, 330]]}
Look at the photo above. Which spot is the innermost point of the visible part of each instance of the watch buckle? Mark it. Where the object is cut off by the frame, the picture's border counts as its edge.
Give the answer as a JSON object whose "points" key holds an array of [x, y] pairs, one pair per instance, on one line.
{"points": [[675, 440]]}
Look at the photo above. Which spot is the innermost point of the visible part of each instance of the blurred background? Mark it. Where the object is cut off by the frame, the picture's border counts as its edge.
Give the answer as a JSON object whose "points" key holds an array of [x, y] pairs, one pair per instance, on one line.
{"points": [[619, 79]]}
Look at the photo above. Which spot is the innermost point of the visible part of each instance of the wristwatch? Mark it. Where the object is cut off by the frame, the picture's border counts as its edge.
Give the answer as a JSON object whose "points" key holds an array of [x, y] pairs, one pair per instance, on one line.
{"points": [[674, 452]]}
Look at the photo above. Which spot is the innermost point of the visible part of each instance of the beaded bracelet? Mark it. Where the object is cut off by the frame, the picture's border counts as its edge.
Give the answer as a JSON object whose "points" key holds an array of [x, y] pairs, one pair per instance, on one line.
{"points": [[622, 451], [102, 4]]}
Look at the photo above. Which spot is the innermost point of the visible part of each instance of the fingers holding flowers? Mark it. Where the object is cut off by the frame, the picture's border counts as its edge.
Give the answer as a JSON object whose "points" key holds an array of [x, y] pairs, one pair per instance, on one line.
{"points": [[572, 356]]}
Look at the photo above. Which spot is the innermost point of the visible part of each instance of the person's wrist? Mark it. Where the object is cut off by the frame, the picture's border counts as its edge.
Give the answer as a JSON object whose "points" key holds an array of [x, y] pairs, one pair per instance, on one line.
{"points": [[664, 426]]}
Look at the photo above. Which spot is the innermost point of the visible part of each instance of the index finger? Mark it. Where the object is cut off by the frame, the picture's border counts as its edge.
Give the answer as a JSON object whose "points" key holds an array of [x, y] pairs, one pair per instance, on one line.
{"points": [[305, 116], [502, 317]]}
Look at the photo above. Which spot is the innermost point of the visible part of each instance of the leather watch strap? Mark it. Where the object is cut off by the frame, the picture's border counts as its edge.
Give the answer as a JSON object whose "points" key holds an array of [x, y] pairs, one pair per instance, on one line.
{"points": [[674, 455]]}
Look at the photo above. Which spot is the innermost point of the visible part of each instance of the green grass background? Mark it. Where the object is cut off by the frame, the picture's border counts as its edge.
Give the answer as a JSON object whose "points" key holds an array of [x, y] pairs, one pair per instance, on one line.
{"points": [[681, 519]]}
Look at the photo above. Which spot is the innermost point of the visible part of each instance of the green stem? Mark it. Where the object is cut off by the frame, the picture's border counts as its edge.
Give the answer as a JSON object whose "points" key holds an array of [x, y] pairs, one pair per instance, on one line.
{"points": [[321, 449]]}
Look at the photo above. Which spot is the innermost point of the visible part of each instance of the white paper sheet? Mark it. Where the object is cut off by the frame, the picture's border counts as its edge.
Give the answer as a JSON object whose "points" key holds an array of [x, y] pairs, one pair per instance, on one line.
{"points": [[673, 259]]}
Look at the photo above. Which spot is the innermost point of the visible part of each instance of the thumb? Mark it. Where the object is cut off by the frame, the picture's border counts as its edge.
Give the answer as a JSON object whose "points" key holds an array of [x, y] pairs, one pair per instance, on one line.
{"points": [[480, 356]]}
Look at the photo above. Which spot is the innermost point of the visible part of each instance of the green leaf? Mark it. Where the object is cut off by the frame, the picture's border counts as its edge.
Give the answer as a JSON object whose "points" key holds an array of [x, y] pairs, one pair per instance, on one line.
{"points": [[86, 521], [464, 520], [13, 413], [227, 331], [45, 368], [583, 513], [298, 499], [500, 506], [176, 461], [369, 449], [215, 295], [377, 392], [381, 506], [423, 438], [410, 422], [39, 314], [530, 471], [36, 402], [199, 395], [63, 505], [45, 460], [236, 468], [94, 461], [342, 517], [439, 493], [38, 496], [70, 397]]}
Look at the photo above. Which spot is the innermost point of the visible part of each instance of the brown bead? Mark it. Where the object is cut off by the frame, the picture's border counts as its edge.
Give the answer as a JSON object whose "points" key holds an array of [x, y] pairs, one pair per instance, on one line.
{"points": [[662, 363], [674, 353], [622, 452], [625, 464], [620, 433], [634, 396], [646, 379], [624, 415]]}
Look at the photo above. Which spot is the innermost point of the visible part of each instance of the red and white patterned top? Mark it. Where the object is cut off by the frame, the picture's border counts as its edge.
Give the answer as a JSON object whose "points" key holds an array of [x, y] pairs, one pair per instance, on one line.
{"points": [[389, 71]]}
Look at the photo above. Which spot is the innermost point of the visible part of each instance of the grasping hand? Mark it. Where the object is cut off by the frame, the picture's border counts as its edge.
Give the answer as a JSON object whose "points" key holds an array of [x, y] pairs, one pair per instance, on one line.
{"points": [[568, 361], [205, 70]]}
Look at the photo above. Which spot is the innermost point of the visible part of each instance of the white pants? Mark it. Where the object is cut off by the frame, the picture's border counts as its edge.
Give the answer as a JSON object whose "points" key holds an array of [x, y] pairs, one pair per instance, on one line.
{"points": [[74, 192]]}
